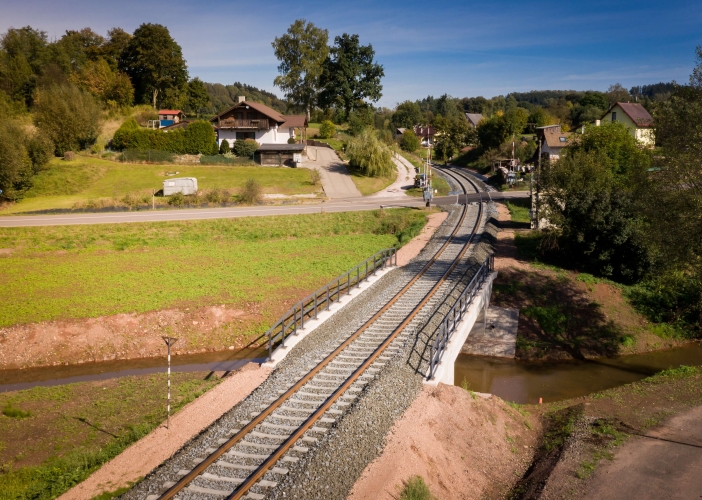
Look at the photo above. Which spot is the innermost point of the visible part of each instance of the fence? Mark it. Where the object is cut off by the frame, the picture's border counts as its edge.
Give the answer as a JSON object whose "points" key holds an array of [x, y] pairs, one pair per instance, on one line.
{"points": [[308, 307], [455, 315]]}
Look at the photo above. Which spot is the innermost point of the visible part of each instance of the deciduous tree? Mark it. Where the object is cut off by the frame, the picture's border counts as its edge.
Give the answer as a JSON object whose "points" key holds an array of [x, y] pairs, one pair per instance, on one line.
{"points": [[350, 77], [154, 62], [198, 97], [301, 52], [407, 115]]}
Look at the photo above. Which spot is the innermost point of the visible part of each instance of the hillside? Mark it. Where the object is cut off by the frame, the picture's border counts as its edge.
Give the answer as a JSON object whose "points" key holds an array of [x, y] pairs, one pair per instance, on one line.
{"points": [[224, 96]]}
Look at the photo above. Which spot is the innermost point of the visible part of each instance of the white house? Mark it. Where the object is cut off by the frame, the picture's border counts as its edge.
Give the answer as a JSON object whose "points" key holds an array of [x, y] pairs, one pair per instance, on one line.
{"points": [[253, 120], [636, 118]]}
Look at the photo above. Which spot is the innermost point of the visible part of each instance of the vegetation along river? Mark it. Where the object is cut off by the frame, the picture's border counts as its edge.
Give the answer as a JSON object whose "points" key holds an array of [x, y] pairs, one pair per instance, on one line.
{"points": [[527, 381]]}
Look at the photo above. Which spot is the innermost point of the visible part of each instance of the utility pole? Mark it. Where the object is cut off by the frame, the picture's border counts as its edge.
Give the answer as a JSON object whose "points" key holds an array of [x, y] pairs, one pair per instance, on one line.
{"points": [[169, 342]]}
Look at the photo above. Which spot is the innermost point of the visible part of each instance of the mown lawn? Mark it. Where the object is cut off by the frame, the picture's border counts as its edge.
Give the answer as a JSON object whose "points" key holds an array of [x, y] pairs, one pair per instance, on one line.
{"points": [[442, 187], [369, 185], [68, 272], [519, 209], [52, 438], [65, 183]]}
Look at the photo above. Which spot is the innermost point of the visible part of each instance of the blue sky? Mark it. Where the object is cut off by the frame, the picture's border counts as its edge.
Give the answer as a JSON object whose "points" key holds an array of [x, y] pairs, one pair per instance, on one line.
{"points": [[463, 48]]}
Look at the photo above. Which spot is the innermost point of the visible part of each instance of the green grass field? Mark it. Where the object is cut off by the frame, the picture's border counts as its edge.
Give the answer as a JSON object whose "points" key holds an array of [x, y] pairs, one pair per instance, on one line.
{"points": [[66, 272], [519, 209], [65, 184], [369, 185], [442, 187], [52, 438]]}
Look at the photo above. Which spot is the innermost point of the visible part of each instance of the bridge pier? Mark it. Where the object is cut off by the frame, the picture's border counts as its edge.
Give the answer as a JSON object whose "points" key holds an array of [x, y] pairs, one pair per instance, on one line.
{"points": [[481, 302]]}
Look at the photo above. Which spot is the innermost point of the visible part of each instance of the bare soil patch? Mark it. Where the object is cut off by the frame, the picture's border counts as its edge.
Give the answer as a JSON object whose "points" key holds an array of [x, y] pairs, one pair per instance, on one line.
{"points": [[464, 445], [412, 249]]}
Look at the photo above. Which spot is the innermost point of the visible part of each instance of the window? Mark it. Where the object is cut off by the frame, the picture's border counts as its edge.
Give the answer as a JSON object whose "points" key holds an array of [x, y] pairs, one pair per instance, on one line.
{"points": [[563, 139], [240, 136], [614, 116]]}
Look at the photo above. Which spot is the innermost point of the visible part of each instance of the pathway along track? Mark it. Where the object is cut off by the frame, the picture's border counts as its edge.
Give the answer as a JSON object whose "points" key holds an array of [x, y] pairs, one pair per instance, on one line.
{"points": [[255, 455]]}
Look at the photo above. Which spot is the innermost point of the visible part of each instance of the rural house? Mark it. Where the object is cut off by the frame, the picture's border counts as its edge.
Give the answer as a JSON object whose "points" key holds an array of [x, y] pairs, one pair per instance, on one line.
{"points": [[636, 118], [552, 141], [425, 134], [473, 119], [269, 128]]}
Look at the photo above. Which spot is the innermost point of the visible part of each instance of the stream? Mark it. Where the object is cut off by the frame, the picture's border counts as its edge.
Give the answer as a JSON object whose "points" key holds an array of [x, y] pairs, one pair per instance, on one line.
{"points": [[527, 381]]}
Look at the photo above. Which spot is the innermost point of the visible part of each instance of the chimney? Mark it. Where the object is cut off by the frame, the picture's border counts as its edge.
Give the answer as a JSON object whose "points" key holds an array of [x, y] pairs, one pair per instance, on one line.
{"points": [[241, 98]]}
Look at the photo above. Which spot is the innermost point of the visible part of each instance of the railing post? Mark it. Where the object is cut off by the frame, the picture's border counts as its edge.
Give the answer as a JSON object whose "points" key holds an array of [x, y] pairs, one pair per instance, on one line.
{"points": [[338, 289], [295, 320], [302, 315], [282, 332], [327, 297], [315, 305], [358, 277], [366, 278], [270, 346]]}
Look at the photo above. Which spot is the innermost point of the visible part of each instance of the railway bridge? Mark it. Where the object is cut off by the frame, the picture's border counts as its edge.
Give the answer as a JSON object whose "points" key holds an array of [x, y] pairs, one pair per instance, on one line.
{"points": [[348, 360]]}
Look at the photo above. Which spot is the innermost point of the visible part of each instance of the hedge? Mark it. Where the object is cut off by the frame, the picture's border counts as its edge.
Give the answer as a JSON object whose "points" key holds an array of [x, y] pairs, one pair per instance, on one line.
{"points": [[197, 138]]}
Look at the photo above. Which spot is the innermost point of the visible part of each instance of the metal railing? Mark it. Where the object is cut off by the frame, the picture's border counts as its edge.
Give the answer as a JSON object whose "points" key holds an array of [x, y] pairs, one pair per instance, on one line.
{"points": [[307, 308], [455, 315], [258, 124]]}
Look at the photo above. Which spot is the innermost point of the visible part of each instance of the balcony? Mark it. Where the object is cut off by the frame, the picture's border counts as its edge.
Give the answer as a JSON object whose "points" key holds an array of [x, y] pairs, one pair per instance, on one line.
{"points": [[233, 123]]}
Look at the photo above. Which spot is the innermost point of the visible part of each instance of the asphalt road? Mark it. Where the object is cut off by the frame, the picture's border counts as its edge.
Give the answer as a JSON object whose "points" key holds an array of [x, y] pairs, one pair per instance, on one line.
{"points": [[347, 205]]}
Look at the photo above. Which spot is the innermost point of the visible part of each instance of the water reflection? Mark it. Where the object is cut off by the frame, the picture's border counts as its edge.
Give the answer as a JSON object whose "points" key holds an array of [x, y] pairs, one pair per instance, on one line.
{"points": [[526, 382], [15, 380]]}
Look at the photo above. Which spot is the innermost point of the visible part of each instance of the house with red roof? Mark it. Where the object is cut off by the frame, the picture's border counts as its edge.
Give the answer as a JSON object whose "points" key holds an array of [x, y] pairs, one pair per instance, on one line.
{"points": [[170, 116], [635, 117]]}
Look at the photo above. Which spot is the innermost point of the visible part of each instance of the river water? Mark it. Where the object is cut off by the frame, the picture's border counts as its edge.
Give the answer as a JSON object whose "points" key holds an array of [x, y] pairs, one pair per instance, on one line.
{"points": [[527, 381], [15, 380]]}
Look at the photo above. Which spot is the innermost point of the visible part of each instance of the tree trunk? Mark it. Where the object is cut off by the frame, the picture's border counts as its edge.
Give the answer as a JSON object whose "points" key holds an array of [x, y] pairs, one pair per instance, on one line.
{"points": [[155, 93], [309, 115]]}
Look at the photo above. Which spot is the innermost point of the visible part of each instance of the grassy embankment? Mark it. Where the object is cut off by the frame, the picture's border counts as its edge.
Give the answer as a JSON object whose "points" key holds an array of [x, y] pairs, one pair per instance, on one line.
{"points": [[565, 314], [65, 184], [67, 272], [439, 183], [597, 424], [54, 437]]}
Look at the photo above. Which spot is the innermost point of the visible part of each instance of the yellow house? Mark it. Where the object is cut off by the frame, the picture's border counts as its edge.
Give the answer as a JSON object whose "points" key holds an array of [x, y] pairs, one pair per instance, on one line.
{"points": [[636, 118]]}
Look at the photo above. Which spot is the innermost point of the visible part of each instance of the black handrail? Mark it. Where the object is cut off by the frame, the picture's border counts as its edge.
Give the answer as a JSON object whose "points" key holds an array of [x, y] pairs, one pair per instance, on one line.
{"points": [[307, 308], [455, 315]]}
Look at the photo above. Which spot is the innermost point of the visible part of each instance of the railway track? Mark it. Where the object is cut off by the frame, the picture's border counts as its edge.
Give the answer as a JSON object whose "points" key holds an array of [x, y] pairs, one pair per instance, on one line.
{"points": [[255, 454]]}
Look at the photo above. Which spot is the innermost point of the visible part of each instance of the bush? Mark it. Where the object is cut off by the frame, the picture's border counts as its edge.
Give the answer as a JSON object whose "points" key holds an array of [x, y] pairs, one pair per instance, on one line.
{"points": [[251, 192], [197, 138], [245, 148], [145, 116], [68, 116], [69, 156], [315, 178], [292, 140], [409, 141], [217, 196], [224, 147], [21, 158], [327, 130], [416, 489], [370, 155]]}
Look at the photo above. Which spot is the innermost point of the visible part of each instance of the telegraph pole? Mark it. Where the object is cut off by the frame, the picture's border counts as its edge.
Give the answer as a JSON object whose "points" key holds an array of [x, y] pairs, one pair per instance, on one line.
{"points": [[169, 342]]}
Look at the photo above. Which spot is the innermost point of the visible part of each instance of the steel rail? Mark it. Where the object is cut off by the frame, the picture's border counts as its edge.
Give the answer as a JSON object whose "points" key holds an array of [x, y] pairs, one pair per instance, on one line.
{"points": [[287, 444]]}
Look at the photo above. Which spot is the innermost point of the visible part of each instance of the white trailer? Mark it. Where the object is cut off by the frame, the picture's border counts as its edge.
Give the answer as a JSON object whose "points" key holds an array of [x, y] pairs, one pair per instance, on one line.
{"points": [[184, 185]]}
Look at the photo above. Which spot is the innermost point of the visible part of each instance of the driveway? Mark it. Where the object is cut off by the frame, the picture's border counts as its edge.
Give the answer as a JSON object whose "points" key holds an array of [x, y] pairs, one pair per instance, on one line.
{"points": [[336, 179]]}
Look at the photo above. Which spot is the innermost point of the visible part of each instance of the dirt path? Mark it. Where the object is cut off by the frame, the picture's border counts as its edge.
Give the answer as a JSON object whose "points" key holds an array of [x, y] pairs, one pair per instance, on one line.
{"points": [[464, 446], [148, 453], [412, 249], [665, 465]]}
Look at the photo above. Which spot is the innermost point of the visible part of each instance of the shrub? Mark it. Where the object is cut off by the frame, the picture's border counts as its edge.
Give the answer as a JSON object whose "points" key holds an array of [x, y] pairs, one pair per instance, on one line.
{"points": [[68, 116], [12, 412], [21, 157], [327, 130], [224, 147], [371, 156], [292, 140], [176, 200], [416, 489], [409, 141], [245, 148], [250, 193], [315, 178], [144, 117], [197, 138], [217, 195]]}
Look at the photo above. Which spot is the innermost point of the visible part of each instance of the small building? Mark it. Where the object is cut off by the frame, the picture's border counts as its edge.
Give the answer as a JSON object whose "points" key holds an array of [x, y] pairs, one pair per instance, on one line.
{"points": [[636, 118], [425, 134], [473, 119], [278, 155], [183, 185], [170, 116], [399, 131], [552, 140]]}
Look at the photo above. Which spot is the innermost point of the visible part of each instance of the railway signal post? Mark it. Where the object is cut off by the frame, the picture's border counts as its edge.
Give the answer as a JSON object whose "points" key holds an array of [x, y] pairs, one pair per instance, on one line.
{"points": [[170, 341]]}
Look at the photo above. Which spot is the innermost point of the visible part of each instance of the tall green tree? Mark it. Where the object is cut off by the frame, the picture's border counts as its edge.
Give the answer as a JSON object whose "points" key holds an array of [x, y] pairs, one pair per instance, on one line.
{"points": [[24, 52], [154, 62], [198, 97], [301, 52], [21, 157], [407, 115], [350, 76], [449, 135]]}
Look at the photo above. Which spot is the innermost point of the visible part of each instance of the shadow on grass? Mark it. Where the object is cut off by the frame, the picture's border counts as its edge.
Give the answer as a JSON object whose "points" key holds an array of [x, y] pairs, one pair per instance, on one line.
{"points": [[556, 315]]}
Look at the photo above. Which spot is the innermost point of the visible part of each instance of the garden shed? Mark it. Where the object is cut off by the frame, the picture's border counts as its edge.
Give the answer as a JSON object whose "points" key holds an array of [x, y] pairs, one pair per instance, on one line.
{"points": [[280, 154], [184, 185]]}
